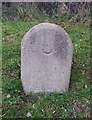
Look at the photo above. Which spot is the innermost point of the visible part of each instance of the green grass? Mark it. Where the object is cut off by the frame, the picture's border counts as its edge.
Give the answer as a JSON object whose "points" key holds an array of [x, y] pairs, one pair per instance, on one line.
{"points": [[72, 104]]}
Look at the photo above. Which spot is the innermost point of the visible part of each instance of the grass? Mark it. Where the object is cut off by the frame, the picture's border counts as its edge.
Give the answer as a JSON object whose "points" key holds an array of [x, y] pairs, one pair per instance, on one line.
{"points": [[72, 104]]}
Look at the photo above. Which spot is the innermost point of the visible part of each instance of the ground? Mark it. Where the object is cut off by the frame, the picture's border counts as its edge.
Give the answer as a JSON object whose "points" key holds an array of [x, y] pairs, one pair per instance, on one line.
{"points": [[72, 104]]}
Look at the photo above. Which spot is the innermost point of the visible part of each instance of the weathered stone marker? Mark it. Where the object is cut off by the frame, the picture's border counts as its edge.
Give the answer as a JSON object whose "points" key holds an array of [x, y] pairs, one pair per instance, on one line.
{"points": [[46, 57]]}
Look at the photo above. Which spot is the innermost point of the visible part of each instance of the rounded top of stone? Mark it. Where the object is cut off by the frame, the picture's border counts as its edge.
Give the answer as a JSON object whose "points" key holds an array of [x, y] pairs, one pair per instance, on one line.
{"points": [[46, 23], [48, 26], [50, 38]]}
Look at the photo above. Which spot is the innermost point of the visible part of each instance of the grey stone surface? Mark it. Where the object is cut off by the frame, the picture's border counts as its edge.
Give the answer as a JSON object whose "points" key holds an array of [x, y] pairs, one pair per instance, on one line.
{"points": [[46, 57]]}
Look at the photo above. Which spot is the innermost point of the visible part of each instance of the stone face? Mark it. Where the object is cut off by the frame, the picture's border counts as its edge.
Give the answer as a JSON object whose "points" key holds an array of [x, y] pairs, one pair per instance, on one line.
{"points": [[46, 57]]}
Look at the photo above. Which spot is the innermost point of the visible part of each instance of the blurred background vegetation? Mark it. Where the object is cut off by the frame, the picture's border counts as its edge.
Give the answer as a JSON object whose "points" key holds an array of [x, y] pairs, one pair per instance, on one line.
{"points": [[32, 11]]}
